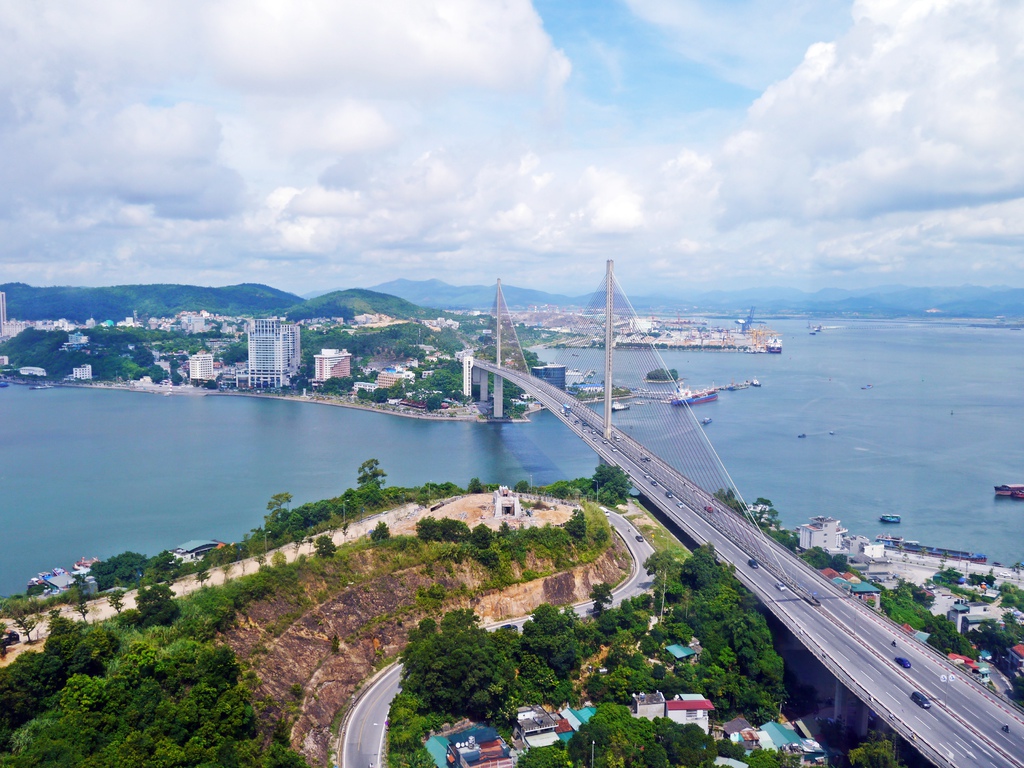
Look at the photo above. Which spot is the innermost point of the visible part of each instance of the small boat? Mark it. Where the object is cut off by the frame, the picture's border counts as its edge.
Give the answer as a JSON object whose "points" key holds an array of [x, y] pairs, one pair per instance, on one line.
{"points": [[889, 519], [866, 386], [41, 386], [755, 383], [4, 384], [706, 420], [1008, 490], [616, 406], [802, 434]]}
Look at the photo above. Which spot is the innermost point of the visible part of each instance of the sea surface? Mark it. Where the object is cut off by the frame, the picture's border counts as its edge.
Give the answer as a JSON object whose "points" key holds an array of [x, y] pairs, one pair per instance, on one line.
{"points": [[88, 472]]}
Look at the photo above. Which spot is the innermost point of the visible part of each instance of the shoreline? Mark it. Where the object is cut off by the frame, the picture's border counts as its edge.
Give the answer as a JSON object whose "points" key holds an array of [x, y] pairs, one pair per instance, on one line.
{"points": [[181, 391]]}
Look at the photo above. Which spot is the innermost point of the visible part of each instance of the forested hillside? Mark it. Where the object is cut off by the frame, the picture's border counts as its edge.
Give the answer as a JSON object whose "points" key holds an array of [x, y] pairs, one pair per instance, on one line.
{"points": [[26, 302]]}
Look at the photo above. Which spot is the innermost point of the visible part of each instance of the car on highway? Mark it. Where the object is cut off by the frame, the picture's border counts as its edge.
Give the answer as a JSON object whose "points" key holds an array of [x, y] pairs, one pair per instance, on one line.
{"points": [[639, 537], [753, 563], [654, 482], [679, 504], [511, 627], [780, 586], [921, 700], [709, 508], [905, 663]]}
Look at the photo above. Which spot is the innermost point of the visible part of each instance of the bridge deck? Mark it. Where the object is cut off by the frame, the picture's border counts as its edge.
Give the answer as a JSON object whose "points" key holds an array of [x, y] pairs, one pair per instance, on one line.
{"points": [[963, 726]]}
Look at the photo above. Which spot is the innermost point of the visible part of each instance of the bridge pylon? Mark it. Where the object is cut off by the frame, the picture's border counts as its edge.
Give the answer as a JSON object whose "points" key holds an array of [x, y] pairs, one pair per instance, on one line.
{"points": [[609, 344]]}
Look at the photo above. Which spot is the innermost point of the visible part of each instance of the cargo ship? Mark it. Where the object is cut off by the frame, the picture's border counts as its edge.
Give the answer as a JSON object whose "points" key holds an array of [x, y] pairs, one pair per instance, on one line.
{"points": [[774, 346], [889, 519], [917, 548], [687, 397], [1017, 491]]}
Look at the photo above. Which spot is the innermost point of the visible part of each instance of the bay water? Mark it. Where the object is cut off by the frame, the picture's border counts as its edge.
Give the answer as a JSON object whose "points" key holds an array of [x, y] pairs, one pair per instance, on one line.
{"points": [[90, 472]]}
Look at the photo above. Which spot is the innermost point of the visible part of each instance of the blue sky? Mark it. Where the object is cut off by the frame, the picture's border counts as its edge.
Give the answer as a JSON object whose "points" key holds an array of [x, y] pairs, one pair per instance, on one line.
{"points": [[336, 143]]}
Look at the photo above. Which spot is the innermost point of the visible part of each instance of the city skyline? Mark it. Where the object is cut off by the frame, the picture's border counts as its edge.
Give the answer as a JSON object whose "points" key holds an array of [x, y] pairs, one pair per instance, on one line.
{"points": [[712, 145]]}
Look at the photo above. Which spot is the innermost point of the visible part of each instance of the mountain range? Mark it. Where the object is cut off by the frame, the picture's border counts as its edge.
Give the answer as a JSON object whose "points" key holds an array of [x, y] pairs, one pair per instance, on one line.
{"points": [[416, 299], [881, 301]]}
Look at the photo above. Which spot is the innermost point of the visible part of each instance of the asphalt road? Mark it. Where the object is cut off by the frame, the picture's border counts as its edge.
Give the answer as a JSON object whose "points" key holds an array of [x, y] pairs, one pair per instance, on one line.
{"points": [[963, 725], [362, 735]]}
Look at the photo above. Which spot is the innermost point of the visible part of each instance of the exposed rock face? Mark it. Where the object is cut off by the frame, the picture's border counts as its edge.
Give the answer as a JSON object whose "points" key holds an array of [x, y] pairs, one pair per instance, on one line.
{"points": [[302, 654]]}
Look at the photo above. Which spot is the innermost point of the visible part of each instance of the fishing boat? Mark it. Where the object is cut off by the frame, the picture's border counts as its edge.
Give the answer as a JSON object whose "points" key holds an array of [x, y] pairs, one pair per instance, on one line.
{"points": [[617, 406], [705, 421], [802, 434], [889, 519], [755, 383]]}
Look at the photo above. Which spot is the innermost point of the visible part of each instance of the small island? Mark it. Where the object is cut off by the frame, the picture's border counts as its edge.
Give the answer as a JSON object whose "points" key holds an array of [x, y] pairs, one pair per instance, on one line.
{"points": [[661, 375]]}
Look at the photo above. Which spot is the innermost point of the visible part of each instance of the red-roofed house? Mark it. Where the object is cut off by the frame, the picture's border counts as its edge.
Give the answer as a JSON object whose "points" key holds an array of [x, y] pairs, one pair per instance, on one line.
{"points": [[967, 661], [690, 708], [1015, 659], [829, 573]]}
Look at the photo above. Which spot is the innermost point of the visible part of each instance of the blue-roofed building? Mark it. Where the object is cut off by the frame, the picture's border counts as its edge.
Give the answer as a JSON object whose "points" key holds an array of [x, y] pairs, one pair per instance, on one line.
{"points": [[475, 747]]}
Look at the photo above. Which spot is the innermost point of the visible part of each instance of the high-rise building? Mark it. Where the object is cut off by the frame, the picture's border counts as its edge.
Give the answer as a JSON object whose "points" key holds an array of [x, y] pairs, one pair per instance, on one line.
{"points": [[83, 373], [273, 353], [200, 367], [3, 312], [331, 364]]}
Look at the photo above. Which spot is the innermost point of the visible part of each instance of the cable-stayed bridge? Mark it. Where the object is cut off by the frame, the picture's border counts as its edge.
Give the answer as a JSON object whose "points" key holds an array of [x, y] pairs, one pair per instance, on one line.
{"points": [[659, 442]]}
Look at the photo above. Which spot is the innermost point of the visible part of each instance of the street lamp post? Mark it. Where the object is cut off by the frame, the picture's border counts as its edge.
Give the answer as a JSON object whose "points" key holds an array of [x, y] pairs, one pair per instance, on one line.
{"points": [[946, 680]]}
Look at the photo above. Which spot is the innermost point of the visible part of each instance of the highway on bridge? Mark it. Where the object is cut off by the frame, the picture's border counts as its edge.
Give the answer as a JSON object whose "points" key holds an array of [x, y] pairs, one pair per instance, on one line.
{"points": [[963, 726], [362, 734]]}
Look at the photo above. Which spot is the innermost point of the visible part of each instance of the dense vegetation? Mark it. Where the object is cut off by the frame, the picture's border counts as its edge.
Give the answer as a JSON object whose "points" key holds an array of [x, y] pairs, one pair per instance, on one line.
{"points": [[454, 668], [358, 301], [130, 694], [26, 302], [113, 353]]}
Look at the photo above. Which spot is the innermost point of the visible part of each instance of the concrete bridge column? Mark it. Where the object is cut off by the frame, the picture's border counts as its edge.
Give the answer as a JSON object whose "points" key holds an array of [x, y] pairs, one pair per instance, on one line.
{"points": [[480, 377], [499, 397], [840, 702], [860, 722]]}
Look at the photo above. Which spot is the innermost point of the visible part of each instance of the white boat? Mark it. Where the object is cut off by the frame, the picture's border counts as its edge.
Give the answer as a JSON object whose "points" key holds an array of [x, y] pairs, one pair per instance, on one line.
{"points": [[755, 383]]}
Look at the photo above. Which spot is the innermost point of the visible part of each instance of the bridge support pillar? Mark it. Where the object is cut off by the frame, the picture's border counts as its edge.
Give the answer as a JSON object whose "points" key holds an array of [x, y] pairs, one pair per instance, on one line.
{"points": [[860, 722], [499, 397], [839, 712], [480, 378]]}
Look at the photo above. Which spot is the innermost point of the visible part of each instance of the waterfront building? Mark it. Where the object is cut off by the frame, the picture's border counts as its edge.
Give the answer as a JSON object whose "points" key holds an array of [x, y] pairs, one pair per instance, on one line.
{"points": [[332, 364], [200, 367], [273, 353], [552, 374], [82, 373], [391, 376], [31, 370], [369, 386], [822, 531]]}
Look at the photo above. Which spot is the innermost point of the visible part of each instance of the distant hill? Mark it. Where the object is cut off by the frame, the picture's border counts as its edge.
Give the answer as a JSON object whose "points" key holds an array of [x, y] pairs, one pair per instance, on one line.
{"points": [[358, 301], [879, 301], [26, 302], [436, 293]]}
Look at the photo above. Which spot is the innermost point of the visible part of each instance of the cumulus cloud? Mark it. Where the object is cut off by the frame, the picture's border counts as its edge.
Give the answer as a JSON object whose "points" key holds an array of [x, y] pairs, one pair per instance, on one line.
{"points": [[292, 143]]}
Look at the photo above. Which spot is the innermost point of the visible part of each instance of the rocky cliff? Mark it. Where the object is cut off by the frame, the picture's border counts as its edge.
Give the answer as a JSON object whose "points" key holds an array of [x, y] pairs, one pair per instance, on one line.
{"points": [[371, 621]]}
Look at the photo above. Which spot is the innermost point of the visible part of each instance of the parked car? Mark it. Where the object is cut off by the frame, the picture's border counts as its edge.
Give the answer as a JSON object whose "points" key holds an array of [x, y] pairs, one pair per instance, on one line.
{"points": [[10, 638]]}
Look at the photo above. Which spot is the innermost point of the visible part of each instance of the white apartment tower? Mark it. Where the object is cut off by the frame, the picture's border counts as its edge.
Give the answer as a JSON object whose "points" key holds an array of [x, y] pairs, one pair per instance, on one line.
{"points": [[273, 353], [200, 367], [332, 363]]}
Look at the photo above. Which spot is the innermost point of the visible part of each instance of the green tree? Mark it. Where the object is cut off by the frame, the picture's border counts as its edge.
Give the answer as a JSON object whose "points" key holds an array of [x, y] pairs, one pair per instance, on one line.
{"points": [[325, 546], [874, 754], [156, 605], [576, 526], [116, 600], [370, 474], [475, 486], [601, 594], [380, 533], [202, 576], [25, 615], [522, 487]]}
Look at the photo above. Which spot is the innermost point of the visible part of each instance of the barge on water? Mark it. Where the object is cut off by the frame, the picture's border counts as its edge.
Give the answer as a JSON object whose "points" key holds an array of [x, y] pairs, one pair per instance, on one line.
{"points": [[1016, 491], [916, 548]]}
